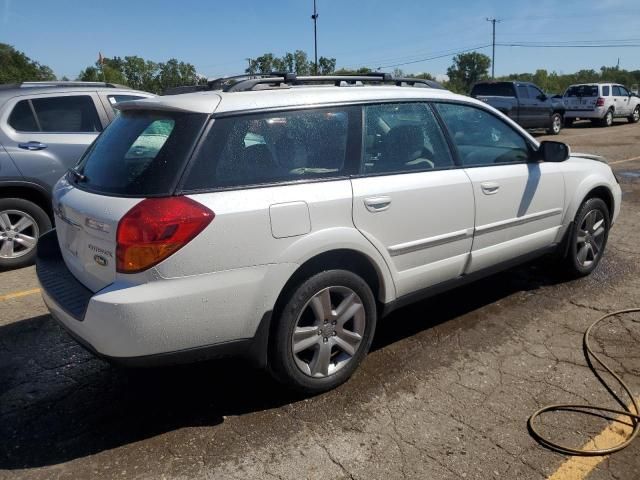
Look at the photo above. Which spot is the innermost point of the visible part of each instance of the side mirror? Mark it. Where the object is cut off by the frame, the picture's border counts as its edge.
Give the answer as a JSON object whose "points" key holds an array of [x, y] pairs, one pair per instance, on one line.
{"points": [[554, 151]]}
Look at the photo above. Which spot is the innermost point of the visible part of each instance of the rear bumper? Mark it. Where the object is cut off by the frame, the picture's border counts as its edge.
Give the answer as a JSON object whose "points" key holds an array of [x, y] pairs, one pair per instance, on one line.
{"points": [[598, 112], [161, 322]]}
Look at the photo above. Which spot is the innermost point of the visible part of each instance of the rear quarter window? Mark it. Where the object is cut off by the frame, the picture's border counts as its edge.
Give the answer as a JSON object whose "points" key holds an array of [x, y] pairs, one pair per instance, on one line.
{"points": [[274, 147], [140, 153]]}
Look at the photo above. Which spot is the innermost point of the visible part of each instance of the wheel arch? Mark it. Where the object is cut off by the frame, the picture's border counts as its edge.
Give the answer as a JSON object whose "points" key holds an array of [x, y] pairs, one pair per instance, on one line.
{"points": [[28, 191]]}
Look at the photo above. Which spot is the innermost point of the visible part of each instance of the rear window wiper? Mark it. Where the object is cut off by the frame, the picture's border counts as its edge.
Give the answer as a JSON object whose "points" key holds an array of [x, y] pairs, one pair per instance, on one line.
{"points": [[79, 176]]}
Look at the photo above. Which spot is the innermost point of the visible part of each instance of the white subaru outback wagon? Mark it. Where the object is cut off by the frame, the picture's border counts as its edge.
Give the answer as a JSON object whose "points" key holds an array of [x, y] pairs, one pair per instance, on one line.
{"points": [[279, 218]]}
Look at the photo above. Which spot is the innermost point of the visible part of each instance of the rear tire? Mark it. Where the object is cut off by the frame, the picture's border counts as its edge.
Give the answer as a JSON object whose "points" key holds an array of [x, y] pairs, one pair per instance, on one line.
{"points": [[21, 223], [607, 120], [635, 116], [588, 238], [323, 332], [556, 124]]}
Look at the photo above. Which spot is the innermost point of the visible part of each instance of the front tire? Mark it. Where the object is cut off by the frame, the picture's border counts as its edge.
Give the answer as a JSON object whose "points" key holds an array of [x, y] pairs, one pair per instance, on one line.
{"points": [[635, 116], [21, 223], [589, 237], [556, 124], [323, 332]]}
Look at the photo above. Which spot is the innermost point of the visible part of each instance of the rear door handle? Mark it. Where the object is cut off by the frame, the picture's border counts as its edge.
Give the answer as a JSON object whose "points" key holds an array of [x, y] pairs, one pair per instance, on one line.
{"points": [[490, 188], [377, 204], [33, 145]]}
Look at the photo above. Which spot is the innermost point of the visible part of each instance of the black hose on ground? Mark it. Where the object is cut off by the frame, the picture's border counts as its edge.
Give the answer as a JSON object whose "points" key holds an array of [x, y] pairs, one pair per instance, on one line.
{"points": [[588, 409]]}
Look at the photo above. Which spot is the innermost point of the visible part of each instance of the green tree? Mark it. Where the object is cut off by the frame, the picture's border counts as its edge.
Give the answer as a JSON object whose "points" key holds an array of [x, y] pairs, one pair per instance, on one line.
{"points": [[326, 65], [467, 69], [16, 67]]}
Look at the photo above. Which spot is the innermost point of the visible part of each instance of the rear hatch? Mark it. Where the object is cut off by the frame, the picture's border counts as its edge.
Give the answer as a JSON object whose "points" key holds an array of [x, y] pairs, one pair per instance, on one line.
{"points": [[581, 97], [140, 155]]}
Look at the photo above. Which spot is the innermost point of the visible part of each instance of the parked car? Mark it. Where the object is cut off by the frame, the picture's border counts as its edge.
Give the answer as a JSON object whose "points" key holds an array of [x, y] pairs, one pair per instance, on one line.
{"points": [[601, 103], [44, 129], [279, 220], [524, 102]]}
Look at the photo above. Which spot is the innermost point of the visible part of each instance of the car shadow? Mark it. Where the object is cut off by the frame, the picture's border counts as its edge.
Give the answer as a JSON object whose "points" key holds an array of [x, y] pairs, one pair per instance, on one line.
{"points": [[59, 403]]}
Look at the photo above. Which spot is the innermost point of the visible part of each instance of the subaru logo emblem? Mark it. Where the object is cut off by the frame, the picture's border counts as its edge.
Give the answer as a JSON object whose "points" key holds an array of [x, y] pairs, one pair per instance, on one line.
{"points": [[100, 260]]}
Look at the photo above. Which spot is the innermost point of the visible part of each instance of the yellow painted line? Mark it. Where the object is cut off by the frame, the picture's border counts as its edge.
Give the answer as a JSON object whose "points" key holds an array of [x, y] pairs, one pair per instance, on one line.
{"points": [[625, 160], [577, 468], [24, 293]]}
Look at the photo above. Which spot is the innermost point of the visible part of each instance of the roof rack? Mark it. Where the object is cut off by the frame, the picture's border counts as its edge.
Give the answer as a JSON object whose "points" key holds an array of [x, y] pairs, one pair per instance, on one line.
{"points": [[61, 83], [247, 82]]}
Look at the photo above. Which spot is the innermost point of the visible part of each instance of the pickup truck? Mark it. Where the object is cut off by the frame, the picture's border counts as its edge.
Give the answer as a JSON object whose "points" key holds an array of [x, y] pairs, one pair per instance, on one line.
{"points": [[524, 103]]}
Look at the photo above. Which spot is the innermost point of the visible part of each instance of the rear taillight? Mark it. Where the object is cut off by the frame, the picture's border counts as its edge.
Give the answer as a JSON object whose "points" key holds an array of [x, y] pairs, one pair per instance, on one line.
{"points": [[600, 102], [156, 228]]}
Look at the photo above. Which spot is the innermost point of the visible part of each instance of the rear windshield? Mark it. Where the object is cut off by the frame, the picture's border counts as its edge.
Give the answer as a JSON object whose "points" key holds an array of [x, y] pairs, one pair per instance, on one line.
{"points": [[493, 90], [140, 153], [582, 91]]}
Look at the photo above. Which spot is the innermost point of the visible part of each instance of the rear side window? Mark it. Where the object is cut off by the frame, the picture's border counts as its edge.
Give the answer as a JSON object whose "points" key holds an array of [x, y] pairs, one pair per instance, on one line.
{"points": [[140, 153], [582, 91], [403, 137], [272, 147], [76, 114], [493, 89], [22, 118], [606, 91]]}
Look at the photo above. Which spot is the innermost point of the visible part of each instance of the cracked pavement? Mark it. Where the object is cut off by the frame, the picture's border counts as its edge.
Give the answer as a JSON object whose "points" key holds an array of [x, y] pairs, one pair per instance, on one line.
{"points": [[444, 394]]}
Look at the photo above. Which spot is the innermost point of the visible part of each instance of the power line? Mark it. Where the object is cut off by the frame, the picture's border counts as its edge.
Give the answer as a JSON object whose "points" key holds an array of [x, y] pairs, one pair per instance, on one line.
{"points": [[435, 57], [535, 45]]}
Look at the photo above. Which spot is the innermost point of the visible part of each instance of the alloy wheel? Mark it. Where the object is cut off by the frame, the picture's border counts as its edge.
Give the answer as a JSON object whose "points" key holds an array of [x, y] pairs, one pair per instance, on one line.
{"points": [[18, 233], [557, 124], [328, 331], [636, 114], [609, 118], [590, 238]]}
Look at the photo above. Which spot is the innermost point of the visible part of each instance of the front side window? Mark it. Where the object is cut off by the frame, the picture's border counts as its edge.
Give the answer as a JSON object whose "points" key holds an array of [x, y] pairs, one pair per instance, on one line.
{"points": [[535, 92], [481, 138], [403, 137], [273, 147], [73, 114], [624, 92], [617, 92]]}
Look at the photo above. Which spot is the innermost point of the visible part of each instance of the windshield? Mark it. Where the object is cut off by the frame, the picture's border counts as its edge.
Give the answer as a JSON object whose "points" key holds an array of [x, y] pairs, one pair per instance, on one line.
{"points": [[582, 91], [140, 153]]}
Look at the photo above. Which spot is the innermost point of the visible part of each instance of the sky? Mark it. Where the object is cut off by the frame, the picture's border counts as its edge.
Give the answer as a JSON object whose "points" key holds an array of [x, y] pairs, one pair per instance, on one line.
{"points": [[218, 36]]}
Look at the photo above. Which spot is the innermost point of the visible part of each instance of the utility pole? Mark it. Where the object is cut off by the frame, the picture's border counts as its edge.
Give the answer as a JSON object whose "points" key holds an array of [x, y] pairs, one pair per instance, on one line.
{"points": [[314, 17], [493, 56]]}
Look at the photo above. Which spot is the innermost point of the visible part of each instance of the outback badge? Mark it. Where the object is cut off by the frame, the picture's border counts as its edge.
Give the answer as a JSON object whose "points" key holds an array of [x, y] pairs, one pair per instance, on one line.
{"points": [[100, 260]]}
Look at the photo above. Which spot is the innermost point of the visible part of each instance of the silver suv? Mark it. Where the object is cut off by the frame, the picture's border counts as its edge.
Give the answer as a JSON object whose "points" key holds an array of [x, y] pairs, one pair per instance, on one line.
{"points": [[44, 129], [280, 218]]}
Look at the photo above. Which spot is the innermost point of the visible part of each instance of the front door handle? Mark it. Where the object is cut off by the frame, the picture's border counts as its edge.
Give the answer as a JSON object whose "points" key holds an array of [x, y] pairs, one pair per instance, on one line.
{"points": [[33, 146], [377, 204], [490, 188]]}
